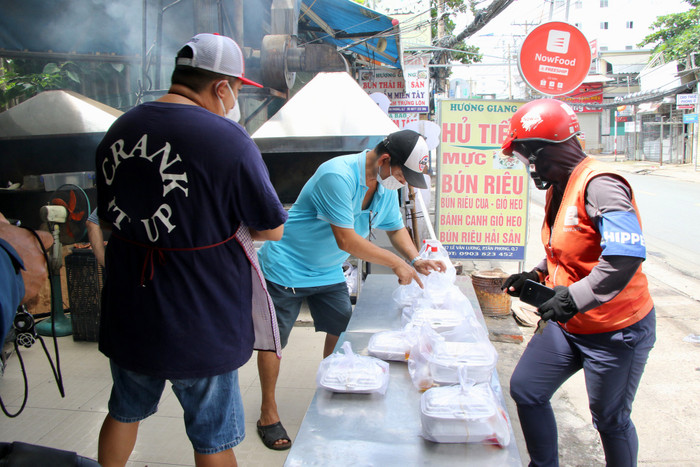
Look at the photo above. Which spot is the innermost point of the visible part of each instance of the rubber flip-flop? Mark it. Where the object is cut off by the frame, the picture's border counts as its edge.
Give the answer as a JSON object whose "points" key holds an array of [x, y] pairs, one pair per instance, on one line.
{"points": [[270, 434]]}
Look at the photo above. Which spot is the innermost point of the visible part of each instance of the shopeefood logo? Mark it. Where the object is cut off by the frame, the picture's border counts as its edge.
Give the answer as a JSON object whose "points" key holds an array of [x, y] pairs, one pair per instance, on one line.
{"points": [[571, 216], [423, 163], [558, 41], [531, 119]]}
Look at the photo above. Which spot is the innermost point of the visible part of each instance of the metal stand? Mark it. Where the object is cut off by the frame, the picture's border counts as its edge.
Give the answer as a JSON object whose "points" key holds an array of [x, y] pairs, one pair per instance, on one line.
{"points": [[61, 323]]}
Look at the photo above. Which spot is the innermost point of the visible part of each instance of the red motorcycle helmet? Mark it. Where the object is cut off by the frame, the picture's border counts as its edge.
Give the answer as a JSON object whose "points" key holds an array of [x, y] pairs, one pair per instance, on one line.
{"points": [[542, 120]]}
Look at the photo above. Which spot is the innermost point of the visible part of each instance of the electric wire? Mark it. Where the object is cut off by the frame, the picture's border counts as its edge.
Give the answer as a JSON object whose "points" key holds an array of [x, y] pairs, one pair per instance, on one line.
{"points": [[55, 369]]}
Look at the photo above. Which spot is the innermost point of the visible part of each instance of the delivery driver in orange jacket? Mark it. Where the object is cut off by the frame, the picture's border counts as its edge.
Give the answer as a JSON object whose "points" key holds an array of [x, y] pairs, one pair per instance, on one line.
{"points": [[602, 316]]}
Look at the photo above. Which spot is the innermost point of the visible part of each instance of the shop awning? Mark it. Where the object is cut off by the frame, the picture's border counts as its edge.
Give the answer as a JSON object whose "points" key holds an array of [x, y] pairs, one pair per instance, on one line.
{"points": [[352, 27], [648, 107]]}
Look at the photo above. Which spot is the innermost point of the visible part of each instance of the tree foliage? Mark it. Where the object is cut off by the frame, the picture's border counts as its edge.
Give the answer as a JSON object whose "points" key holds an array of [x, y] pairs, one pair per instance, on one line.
{"points": [[20, 79], [676, 35], [471, 53]]}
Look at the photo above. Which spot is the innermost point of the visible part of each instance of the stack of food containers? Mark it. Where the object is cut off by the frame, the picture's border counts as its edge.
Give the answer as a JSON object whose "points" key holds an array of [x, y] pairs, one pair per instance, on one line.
{"points": [[445, 344]]}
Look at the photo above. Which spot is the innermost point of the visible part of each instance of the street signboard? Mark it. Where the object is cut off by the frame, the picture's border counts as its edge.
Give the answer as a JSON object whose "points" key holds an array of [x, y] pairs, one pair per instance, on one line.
{"points": [[554, 58], [585, 94], [688, 101], [690, 118], [482, 194], [407, 90]]}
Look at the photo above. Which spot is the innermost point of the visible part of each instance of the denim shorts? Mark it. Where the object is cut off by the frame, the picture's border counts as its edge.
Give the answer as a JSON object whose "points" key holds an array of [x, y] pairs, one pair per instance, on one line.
{"points": [[213, 406], [329, 305]]}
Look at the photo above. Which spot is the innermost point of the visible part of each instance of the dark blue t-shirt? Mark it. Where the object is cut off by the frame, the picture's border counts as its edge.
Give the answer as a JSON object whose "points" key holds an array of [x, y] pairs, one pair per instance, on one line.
{"points": [[181, 179]]}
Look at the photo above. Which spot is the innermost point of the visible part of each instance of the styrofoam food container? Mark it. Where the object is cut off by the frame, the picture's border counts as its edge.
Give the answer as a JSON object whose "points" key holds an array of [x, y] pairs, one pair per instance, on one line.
{"points": [[390, 345], [440, 319], [363, 379], [452, 415], [480, 358]]}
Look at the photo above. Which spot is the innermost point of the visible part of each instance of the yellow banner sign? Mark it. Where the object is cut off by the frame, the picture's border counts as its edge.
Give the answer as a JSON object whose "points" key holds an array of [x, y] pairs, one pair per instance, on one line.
{"points": [[482, 194]]}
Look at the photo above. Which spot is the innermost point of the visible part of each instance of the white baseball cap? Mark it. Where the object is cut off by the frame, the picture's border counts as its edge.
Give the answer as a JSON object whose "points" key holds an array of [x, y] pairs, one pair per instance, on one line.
{"points": [[411, 150], [218, 54]]}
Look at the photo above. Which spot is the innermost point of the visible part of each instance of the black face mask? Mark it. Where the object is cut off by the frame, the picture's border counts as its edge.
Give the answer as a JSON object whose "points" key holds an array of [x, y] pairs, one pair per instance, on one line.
{"points": [[528, 155]]}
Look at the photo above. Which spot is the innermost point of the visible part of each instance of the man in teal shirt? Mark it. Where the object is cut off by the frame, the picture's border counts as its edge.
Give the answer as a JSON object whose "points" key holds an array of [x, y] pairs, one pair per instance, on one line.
{"points": [[331, 220]]}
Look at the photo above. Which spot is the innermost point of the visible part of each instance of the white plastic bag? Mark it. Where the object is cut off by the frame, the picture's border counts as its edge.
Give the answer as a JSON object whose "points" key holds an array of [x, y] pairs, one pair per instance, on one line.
{"points": [[469, 330], [449, 297], [467, 413], [419, 357], [350, 273], [450, 357], [349, 372], [392, 345], [405, 295], [440, 319], [433, 250], [436, 358], [436, 285]]}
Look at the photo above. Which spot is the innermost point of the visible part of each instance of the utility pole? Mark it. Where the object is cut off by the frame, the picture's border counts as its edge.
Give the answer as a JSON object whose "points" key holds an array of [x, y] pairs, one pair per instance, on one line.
{"points": [[441, 21], [568, 3], [442, 74], [551, 9], [510, 81]]}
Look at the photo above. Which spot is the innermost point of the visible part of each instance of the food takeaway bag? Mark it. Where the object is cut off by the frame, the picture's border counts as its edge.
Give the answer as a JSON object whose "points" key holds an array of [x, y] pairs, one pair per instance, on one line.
{"points": [[436, 284], [466, 345], [465, 413], [349, 372], [433, 249], [440, 319], [450, 357], [392, 345]]}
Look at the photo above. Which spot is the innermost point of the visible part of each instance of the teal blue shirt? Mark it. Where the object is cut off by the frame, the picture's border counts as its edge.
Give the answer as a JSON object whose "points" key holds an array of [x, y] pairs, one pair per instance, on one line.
{"points": [[308, 255]]}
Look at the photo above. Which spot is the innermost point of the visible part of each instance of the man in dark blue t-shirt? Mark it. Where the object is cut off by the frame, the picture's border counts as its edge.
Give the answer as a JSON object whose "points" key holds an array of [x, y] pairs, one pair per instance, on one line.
{"points": [[184, 191]]}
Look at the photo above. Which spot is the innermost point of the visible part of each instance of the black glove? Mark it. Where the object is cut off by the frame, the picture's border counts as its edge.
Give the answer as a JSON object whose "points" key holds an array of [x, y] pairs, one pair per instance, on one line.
{"points": [[518, 280], [560, 308]]}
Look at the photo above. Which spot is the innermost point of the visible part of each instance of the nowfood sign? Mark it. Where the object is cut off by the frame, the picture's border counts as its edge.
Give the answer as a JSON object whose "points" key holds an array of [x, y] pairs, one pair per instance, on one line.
{"points": [[554, 58]]}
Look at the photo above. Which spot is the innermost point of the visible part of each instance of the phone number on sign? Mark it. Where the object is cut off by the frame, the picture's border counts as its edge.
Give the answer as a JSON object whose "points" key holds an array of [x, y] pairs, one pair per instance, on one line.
{"points": [[485, 251]]}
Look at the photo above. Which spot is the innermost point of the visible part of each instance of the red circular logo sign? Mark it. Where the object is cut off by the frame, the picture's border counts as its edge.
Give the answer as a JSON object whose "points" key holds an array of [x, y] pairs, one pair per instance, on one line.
{"points": [[554, 58]]}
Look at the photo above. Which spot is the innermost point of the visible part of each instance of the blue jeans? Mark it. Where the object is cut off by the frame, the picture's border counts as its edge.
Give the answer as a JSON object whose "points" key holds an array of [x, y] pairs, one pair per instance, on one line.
{"points": [[612, 362], [213, 406]]}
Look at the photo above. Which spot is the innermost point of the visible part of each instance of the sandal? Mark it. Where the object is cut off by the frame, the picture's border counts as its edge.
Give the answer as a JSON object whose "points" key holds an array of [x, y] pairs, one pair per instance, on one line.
{"points": [[270, 434]]}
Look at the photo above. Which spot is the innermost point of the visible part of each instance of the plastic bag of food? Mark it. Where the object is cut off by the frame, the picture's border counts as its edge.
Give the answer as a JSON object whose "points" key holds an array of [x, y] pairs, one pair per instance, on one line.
{"points": [[406, 295], [469, 330], [419, 357], [436, 284], [352, 373], [440, 319], [433, 250], [466, 413], [450, 357], [392, 345]]}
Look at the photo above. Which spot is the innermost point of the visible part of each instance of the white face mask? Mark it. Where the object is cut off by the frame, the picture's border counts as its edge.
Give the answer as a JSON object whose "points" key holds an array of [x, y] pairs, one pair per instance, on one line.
{"points": [[235, 113], [391, 182]]}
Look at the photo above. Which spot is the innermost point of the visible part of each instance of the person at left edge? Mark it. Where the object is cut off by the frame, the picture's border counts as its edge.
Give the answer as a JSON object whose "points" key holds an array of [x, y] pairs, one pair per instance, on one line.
{"points": [[331, 220], [23, 270], [185, 191]]}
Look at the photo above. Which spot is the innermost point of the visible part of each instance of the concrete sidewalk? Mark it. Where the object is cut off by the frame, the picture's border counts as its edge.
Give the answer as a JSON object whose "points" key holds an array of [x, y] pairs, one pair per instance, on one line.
{"points": [[685, 172]]}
